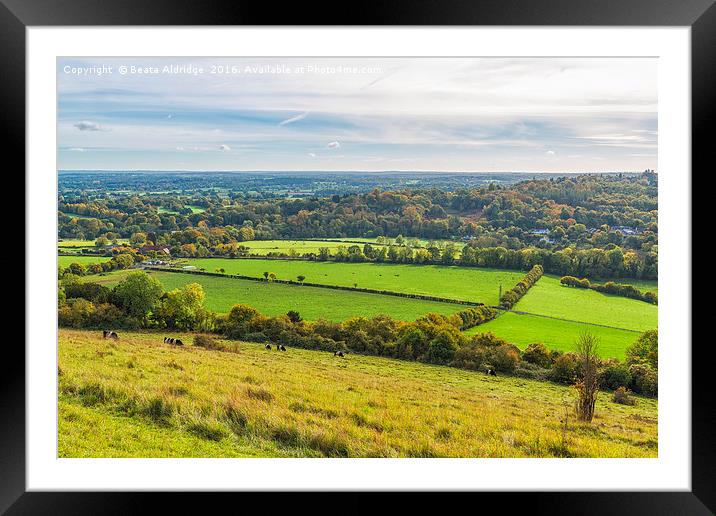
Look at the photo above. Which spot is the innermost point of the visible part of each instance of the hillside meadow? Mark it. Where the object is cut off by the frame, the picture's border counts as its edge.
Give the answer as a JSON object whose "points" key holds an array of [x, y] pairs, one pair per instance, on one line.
{"points": [[139, 397], [523, 330], [549, 297], [452, 282]]}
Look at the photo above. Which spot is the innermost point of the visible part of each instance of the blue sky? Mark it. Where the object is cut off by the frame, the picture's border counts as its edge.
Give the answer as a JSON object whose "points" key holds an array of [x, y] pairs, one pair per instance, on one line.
{"points": [[358, 114]]}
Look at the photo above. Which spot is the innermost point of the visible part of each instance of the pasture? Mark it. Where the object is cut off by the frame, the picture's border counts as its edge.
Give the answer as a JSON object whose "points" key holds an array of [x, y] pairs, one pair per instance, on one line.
{"points": [[139, 397], [65, 261], [549, 297], [452, 282], [276, 298], [523, 330]]}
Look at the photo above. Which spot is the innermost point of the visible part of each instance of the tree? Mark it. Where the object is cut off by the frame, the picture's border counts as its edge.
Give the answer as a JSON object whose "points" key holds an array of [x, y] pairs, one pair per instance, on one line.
{"points": [[588, 381], [645, 350], [239, 321], [300, 278], [272, 276], [442, 348], [138, 294], [101, 242], [266, 275], [183, 308], [138, 239]]}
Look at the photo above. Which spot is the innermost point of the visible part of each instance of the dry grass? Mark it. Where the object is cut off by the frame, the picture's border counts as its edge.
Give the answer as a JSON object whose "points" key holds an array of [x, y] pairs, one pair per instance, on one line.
{"points": [[146, 399]]}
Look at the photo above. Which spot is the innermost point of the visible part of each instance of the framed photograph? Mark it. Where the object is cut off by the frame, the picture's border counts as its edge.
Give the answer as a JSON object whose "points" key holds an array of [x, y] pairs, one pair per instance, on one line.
{"points": [[414, 247]]}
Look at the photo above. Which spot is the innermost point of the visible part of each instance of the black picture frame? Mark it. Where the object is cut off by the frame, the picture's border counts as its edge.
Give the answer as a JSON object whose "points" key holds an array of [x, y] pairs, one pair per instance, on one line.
{"points": [[700, 15]]}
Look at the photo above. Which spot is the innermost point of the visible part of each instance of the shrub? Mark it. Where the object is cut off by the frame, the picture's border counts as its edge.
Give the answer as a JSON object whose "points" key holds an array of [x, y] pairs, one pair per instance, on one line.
{"points": [[614, 376], [504, 357], [240, 321], [645, 350], [564, 369], [442, 348], [537, 354], [205, 341], [623, 396], [531, 371], [645, 380]]}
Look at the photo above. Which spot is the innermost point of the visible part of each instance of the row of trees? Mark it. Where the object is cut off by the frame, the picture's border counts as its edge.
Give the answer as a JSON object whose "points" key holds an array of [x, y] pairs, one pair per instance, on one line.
{"points": [[510, 298], [617, 289]]}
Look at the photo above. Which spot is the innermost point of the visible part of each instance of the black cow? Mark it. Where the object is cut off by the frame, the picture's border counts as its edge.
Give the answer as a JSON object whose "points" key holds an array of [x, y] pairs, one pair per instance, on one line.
{"points": [[282, 347], [338, 354], [109, 334], [268, 346], [491, 372], [178, 342]]}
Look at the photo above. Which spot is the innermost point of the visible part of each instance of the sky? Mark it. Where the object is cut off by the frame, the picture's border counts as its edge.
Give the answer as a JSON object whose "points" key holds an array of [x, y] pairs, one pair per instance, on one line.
{"points": [[358, 114]]}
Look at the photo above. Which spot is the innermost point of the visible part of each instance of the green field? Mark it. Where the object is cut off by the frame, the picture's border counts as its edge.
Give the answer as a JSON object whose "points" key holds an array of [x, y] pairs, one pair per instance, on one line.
{"points": [[523, 330], [70, 243], [65, 261], [549, 297], [276, 299], [464, 283], [194, 209], [138, 397]]}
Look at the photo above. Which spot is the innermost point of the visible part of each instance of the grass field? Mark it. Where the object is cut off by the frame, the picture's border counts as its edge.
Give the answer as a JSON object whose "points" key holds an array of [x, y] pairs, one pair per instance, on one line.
{"points": [[138, 397], [549, 297], [523, 330], [276, 299], [194, 209], [465, 283], [65, 261], [85, 243]]}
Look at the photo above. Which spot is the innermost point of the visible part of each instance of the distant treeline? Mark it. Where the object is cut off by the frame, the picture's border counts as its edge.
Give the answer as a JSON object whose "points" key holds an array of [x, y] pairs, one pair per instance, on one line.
{"points": [[617, 289]]}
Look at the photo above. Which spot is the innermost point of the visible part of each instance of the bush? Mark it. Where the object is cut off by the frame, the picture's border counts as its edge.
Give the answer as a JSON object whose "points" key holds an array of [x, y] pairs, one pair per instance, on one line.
{"points": [[240, 321], [614, 376], [564, 369], [504, 358], [442, 348], [205, 341], [623, 396], [531, 371], [537, 354], [644, 380], [513, 295], [645, 350]]}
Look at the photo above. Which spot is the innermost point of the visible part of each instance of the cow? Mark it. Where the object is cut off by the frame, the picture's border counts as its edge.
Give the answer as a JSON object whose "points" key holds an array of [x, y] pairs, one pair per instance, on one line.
{"points": [[268, 346], [178, 342], [491, 372], [168, 340], [338, 354], [109, 334], [282, 347], [105, 333]]}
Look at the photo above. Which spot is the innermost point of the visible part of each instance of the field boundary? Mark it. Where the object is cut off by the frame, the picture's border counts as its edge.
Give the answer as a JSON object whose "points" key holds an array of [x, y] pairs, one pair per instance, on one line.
{"points": [[322, 285], [518, 312]]}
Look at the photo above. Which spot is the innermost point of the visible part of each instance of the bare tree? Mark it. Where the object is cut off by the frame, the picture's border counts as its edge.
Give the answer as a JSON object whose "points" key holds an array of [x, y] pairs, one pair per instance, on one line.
{"points": [[588, 380]]}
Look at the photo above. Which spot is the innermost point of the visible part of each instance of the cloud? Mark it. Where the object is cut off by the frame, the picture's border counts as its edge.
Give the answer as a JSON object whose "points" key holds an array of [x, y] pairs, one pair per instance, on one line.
{"points": [[550, 153], [76, 149], [180, 148], [86, 125], [333, 145], [224, 147], [294, 119], [312, 154]]}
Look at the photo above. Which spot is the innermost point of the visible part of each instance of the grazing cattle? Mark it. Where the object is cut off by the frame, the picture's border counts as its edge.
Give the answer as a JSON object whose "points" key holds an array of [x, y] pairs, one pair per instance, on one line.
{"points": [[491, 372], [268, 346], [108, 334], [338, 354], [282, 347], [172, 340], [178, 342], [105, 333]]}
